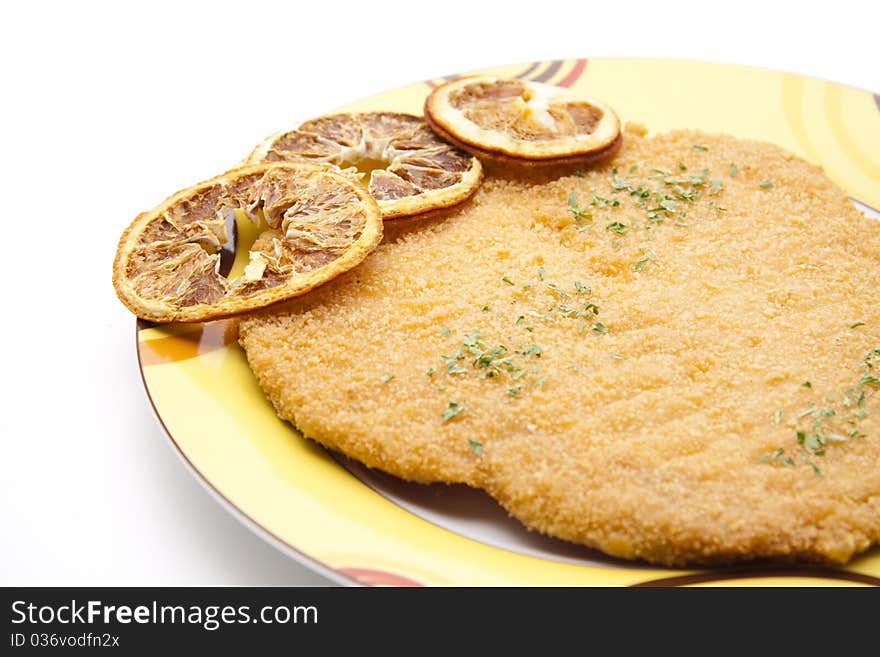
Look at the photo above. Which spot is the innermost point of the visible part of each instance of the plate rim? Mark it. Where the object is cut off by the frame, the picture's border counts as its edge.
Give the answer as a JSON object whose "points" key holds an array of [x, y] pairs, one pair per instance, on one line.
{"points": [[338, 577], [310, 562]]}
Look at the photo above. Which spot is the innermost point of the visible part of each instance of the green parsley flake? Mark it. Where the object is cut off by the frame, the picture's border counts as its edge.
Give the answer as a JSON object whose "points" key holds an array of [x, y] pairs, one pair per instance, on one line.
{"points": [[640, 265], [766, 185], [453, 409], [600, 328], [856, 324], [387, 378], [507, 280], [579, 213], [777, 456], [777, 417], [733, 170], [617, 227], [541, 272], [696, 148], [579, 173], [600, 202], [618, 183], [532, 350], [617, 356], [431, 371], [514, 391], [452, 366], [445, 331], [476, 446], [580, 288], [471, 339], [806, 384]]}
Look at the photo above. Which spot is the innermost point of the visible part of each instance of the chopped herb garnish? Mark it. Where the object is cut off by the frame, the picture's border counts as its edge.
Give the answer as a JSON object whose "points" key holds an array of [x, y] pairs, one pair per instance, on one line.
{"points": [[733, 170], [452, 366], [633, 168], [387, 378], [600, 328], [445, 331], [617, 356], [476, 446], [618, 183], [579, 213], [777, 455], [856, 324], [559, 291], [514, 391], [581, 288], [699, 149], [541, 273], [823, 427], [777, 417], [700, 178], [431, 371], [617, 227], [640, 265], [579, 173], [532, 350], [507, 280], [769, 456], [668, 205], [600, 202], [471, 339], [766, 185], [520, 319], [453, 409]]}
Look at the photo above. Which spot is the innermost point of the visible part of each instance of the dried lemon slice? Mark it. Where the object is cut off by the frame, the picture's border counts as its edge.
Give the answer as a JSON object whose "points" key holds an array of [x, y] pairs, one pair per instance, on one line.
{"points": [[314, 225], [520, 121], [404, 165]]}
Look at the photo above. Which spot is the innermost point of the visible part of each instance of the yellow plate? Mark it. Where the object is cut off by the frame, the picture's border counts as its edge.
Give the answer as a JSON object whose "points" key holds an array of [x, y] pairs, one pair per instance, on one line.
{"points": [[364, 527]]}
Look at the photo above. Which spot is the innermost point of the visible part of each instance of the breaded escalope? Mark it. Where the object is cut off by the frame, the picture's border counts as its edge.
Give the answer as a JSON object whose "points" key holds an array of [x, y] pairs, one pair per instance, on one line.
{"points": [[672, 357]]}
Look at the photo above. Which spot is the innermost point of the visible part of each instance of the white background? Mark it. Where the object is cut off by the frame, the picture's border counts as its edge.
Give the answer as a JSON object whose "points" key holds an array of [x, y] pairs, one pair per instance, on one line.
{"points": [[107, 108]]}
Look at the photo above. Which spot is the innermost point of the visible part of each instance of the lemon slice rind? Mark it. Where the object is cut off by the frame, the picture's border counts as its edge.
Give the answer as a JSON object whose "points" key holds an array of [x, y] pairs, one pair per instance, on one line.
{"points": [[342, 141], [167, 261], [448, 116]]}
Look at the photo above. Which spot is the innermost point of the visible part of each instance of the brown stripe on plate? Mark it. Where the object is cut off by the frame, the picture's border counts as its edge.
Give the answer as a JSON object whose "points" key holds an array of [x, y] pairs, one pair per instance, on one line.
{"points": [[202, 339], [526, 73], [721, 576], [551, 70], [373, 577]]}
